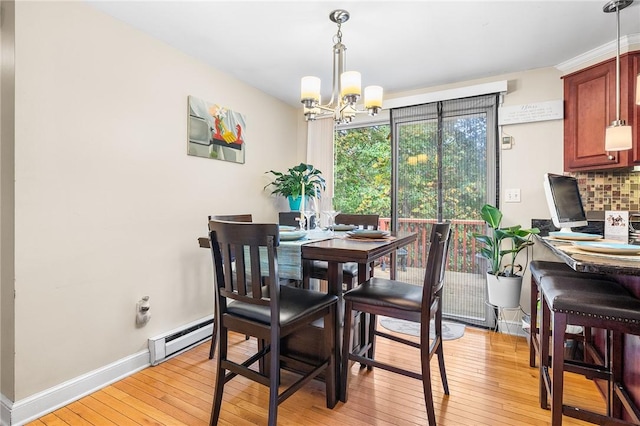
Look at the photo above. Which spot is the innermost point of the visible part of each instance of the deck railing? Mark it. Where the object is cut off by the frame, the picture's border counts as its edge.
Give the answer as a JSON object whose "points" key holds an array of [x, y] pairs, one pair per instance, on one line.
{"points": [[462, 250]]}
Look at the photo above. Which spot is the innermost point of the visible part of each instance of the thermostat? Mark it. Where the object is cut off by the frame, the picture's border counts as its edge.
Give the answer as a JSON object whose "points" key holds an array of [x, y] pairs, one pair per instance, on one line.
{"points": [[506, 142]]}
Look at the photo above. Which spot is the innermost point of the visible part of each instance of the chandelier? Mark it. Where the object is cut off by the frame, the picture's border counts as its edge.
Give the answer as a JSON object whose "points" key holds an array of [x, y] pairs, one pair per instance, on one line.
{"points": [[346, 86], [618, 136]]}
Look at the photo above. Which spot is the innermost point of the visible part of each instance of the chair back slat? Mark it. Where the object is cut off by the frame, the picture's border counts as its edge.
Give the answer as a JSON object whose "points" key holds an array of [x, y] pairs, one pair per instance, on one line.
{"points": [[436, 262], [245, 258], [365, 221]]}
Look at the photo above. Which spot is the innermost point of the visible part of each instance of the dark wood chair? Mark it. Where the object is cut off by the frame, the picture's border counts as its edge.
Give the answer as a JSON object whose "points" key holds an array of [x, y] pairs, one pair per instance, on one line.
{"points": [[250, 300], [319, 268], [396, 299], [233, 218]]}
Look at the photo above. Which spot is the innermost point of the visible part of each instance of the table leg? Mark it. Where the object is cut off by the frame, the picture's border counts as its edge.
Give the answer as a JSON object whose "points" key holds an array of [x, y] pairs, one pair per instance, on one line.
{"points": [[334, 282]]}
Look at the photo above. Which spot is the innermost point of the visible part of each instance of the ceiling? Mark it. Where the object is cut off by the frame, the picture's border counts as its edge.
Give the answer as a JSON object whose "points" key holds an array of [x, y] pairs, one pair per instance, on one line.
{"points": [[400, 45]]}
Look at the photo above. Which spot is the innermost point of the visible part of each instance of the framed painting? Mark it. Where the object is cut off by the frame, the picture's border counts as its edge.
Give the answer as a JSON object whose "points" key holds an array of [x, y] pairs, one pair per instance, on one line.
{"points": [[215, 131]]}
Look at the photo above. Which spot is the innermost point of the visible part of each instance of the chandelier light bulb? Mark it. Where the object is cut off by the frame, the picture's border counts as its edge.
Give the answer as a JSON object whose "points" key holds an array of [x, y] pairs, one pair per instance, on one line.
{"points": [[373, 97], [310, 90], [350, 83]]}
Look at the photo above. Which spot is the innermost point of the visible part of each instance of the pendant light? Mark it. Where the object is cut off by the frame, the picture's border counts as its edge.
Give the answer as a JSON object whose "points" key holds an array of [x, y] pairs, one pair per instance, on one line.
{"points": [[618, 136], [346, 86]]}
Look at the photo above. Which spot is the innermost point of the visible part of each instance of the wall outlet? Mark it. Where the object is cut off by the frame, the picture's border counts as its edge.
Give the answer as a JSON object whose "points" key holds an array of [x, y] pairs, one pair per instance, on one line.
{"points": [[142, 311], [512, 195]]}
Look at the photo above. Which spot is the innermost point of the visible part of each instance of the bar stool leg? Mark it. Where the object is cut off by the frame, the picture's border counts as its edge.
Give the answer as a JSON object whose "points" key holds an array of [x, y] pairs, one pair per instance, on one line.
{"points": [[544, 333], [534, 335], [557, 382], [615, 367]]}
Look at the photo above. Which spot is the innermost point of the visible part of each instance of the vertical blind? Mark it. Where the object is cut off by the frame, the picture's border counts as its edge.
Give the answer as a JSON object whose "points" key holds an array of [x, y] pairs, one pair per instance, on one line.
{"points": [[444, 167]]}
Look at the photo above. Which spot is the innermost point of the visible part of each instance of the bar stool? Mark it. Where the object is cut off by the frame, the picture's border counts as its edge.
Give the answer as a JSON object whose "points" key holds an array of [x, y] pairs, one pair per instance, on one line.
{"points": [[540, 269], [589, 303]]}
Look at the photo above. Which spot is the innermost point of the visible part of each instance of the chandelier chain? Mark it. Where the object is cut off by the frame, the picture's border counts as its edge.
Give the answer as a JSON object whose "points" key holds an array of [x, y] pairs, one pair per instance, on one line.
{"points": [[337, 38]]}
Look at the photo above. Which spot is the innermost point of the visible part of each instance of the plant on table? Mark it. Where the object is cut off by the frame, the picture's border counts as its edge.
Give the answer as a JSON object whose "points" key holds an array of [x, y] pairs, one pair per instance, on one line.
{"points": [[290, 183]]}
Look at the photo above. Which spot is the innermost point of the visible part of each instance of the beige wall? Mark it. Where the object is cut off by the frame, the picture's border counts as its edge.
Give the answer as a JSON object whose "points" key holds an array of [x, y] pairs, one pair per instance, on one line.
{"points": [[108, 204]]}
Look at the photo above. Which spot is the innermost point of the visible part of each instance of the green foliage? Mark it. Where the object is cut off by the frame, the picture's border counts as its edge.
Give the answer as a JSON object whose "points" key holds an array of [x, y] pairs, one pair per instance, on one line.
{"points": [[492, 249], [289, 184], [462, 163], [363, 171]]}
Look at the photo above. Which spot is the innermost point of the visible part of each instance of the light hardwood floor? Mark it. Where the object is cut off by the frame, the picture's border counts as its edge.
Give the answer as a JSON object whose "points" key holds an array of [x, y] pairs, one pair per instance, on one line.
{"points": [[490, 383]]}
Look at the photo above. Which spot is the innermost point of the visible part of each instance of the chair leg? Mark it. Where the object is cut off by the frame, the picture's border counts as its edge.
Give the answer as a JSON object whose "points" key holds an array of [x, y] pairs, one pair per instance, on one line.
{"points": [[331, 373], [346, 349], [440, 353], [214, 336], [544, 332], [426, 380], [274, 380], [371, 354], [220, 378], [559, 327], [262, 368]]}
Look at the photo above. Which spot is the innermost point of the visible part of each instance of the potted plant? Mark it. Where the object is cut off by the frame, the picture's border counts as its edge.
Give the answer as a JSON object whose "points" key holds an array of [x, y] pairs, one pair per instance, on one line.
{"points": [[290, 184], [503, 282]]}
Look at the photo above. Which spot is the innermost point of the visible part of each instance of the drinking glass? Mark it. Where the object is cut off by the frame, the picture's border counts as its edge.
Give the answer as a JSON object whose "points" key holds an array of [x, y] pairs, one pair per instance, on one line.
{"points": [[308, 214], [331, 219]]}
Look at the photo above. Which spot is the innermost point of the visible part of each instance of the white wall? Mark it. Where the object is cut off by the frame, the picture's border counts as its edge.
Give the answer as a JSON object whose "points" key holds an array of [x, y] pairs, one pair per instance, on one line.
{"points": [[108, 204]]}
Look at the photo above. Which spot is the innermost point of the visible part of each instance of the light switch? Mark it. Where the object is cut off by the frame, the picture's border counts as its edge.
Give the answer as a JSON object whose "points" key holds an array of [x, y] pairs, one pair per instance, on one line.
{"points": [[512, 195]]}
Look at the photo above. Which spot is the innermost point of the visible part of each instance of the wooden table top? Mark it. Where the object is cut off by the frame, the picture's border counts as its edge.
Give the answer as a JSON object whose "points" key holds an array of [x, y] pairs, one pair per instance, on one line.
{"points": [[355, 250]]}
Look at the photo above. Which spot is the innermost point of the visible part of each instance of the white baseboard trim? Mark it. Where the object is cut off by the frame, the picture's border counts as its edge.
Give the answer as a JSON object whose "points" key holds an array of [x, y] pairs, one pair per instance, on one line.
{"points": [[41, 403], [5, 410]]}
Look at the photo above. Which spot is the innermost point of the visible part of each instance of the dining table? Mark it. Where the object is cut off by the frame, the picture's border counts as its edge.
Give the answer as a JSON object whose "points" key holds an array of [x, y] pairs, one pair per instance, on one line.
{"points": [[336, 248]]}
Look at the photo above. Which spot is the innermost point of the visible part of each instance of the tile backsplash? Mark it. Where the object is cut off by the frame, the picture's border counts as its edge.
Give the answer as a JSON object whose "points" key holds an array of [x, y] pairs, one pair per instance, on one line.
{"points": [[609, 190]]}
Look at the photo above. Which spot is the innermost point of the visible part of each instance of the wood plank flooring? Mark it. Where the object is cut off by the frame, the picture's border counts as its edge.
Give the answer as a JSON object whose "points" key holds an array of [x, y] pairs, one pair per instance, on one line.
{"points": [[490, 383]]}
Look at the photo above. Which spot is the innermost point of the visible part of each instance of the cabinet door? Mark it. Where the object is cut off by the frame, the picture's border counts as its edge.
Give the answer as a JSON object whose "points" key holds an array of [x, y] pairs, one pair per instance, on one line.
{"points": [[590, 99]]}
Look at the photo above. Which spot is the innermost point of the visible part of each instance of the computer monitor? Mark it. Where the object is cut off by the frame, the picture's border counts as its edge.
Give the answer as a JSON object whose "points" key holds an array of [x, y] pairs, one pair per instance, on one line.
{"points": [[565, 204]]}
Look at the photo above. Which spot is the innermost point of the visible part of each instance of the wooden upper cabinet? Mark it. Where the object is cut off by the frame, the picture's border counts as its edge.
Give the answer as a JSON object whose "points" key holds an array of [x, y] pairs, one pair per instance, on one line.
{"points": [[590, 106]]}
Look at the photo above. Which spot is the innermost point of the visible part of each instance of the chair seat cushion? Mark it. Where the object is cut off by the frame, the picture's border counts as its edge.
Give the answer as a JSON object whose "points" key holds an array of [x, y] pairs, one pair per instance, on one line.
{"points": [[295, 303], [387, 293], [591, 298], [320, 267], [543, 268]]}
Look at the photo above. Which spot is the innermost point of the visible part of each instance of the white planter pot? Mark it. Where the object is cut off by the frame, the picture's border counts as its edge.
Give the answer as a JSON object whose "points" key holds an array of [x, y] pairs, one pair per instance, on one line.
{"points": [[504, 291]]}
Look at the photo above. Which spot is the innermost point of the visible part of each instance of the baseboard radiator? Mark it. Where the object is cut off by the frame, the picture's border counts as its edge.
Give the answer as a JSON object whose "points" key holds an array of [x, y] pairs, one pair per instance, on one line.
{"points": [[179, 340]]}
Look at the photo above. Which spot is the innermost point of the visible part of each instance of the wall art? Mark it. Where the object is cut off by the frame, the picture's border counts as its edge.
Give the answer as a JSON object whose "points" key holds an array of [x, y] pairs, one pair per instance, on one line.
{"points": [[215, 131]]}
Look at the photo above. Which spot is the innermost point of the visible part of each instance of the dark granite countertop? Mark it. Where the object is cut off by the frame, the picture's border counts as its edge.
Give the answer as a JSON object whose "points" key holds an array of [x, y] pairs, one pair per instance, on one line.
{"points": [[590, 263]]}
